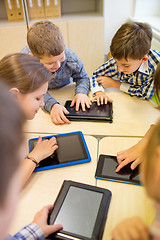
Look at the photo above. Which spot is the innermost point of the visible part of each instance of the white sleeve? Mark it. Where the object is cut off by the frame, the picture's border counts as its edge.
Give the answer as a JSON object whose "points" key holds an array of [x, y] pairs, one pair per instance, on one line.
{"points": [[124, 87]]}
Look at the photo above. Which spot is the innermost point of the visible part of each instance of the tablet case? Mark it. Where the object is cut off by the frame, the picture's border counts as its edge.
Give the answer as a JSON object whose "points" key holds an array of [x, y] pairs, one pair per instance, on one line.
{"points": [[55, 154], [124, 171], [100, 218], [94, 113]]}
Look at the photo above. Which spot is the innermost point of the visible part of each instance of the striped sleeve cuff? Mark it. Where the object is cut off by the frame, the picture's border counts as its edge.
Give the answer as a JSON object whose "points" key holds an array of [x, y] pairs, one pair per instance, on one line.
{"points": [[30, 232], [97, 89]]}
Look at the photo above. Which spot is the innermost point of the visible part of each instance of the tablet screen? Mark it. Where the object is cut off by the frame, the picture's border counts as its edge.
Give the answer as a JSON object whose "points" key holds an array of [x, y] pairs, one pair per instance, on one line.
{"points": [[70, 148], [79, 210], [107, 166]]}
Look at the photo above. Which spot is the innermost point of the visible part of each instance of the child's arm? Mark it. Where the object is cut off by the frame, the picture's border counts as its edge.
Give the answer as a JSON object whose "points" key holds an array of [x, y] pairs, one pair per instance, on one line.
{"points": [[41, 220], [143, 91], [130, 229], [57, 111], [42, 150], [108, 82], [133, 154], [81, 78], [39, 228], [102, 78]]}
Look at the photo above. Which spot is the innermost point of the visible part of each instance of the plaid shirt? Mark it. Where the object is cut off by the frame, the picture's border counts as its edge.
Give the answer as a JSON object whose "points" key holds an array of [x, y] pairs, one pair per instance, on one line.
{"points": [[139, 83], [29, 232]]}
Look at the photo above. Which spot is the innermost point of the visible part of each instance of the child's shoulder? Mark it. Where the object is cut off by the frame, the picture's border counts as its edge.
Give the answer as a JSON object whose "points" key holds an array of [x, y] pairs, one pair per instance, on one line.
{"points": [[110, 63], [154, 53], [26, 49], [70, 54], [153, 57]]}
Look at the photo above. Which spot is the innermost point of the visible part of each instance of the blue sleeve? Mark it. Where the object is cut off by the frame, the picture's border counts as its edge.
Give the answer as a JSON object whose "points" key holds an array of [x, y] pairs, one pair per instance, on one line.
{"points": [[80, 77], [49, 101], [26, 50]]}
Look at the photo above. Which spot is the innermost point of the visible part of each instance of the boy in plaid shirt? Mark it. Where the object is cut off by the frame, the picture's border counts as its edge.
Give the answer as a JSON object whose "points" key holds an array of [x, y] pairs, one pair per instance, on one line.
{"points": [[133, 64]]}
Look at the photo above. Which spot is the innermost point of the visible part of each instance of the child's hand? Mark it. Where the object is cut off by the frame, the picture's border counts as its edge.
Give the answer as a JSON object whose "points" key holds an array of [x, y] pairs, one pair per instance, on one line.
{"points": [[57, 114], [43, 149], [129, 155], [41, 220], [83, 99], [108, 82], [129, 229], [101, 98]]}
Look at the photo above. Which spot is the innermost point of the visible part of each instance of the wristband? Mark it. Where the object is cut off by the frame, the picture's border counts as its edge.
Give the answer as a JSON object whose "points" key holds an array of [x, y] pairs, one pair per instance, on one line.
{"points": [[33, 160]]}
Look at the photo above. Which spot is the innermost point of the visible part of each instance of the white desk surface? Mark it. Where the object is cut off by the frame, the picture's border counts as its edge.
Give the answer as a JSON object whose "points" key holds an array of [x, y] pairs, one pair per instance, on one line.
{"points": [[43, 187], [131, 116], [127, 200]]}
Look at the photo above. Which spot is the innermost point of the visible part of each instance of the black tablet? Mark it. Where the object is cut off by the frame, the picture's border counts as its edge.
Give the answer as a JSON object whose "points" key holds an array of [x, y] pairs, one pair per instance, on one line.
{"points": [[94, 113], [82, 210], [72, 149], [106, 170]]}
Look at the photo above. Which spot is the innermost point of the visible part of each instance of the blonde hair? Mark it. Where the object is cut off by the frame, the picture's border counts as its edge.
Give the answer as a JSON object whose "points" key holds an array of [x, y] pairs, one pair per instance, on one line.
{"points": [[149, 155], [23, 72], [45, 39], [132, 40]]}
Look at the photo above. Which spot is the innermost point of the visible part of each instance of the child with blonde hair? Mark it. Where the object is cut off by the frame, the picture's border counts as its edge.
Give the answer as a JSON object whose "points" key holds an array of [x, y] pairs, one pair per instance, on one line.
{"points": [[45, 41], [134, 228], [133, 154]]}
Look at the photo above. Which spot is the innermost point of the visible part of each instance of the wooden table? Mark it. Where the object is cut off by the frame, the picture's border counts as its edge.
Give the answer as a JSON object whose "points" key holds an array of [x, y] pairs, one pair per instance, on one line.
{"points": [[43, 187], [131, 116], [127, 200]]}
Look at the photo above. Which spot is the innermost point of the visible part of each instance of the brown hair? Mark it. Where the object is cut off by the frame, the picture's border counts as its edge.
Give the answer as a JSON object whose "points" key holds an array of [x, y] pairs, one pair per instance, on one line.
{"points": [[11, 123], [156, 78], [24, 72], [132, 40], [45, 39]]}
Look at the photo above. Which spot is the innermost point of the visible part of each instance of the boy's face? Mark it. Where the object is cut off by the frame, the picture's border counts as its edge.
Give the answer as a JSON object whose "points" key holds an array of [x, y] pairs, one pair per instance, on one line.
{"points": [[130, 65], [53, 63]]}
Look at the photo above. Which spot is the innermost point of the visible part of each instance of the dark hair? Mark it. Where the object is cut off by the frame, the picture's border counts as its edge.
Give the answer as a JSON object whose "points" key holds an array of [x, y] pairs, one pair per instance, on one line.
{"points": [[45, 39], [156, 78], [23, 72], [132, 40], [11, 123]]}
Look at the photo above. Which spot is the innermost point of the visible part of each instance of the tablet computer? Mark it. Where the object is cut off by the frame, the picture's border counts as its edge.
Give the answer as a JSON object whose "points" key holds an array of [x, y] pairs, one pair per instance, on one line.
{"points": [[106, 171], [72, 149], [82, 210], [94, 113]]}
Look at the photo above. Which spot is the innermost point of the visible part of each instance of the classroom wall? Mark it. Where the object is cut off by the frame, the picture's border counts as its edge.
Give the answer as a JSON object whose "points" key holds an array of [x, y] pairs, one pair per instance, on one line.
{"points": [[116, 12], [146, 8]]}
